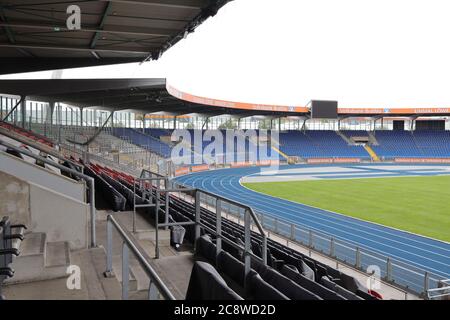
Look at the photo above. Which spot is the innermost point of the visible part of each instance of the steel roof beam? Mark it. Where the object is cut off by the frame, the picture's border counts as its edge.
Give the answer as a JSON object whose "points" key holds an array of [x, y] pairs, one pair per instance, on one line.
{"points": [[108, 8], [180, 4], [112, 29], [72, 48]]}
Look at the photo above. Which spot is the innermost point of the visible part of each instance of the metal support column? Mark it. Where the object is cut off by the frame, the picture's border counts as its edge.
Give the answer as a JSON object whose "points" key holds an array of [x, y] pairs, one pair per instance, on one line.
{"points": [[23, 111], [218, 227], [143, 122], [125, 271], [247, 235], [197, 215]]}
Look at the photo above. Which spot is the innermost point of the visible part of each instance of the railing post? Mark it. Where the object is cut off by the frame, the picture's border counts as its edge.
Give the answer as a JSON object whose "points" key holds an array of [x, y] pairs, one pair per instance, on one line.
{"points": [[157, 224], [358, 258], [292, 232], [332, 249], [311, 244], [166, 209], [93, 212], [125, 271], [218, 227], [388, 269], [197, 215], [109, 269], [275, 225], [426, 284], [152, 291], [134, 206], [247, 235]]}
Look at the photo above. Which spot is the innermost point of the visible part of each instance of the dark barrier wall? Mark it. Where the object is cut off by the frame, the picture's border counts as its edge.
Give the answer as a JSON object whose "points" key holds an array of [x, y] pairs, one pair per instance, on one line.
{"points": [[430, 125], [399, 125]]}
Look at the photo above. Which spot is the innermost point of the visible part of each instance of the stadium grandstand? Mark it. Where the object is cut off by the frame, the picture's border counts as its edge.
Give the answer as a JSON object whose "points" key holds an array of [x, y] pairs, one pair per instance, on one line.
{"points": [[114, 168], [132, 189]]}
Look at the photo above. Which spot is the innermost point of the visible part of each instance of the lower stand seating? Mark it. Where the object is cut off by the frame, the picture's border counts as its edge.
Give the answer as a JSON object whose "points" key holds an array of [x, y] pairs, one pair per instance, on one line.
{"points": [[309, 271], [289, 274], [207, 284], [263, 282], [110, 194]]}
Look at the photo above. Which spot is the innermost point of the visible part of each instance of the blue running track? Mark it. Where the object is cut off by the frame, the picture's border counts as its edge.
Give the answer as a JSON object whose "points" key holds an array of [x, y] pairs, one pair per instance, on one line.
{"points": [[424, 253]]}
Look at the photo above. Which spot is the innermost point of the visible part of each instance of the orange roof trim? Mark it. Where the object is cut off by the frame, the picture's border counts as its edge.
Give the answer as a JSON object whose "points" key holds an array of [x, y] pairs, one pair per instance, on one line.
{"points": [[234, 105], [298, 109]]}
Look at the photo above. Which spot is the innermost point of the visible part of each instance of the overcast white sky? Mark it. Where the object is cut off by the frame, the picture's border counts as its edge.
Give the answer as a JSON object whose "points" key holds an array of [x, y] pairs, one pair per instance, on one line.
{"points": [[363, 53]]}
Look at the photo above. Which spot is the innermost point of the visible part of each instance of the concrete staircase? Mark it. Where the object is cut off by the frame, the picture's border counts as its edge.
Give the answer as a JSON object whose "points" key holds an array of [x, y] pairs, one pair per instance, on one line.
{"points": [[346, 139], [372, 153], [40, 260], [372, 139], [284, 155]]}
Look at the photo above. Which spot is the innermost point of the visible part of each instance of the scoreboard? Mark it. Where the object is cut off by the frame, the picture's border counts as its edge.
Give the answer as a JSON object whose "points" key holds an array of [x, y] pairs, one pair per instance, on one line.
{"points": [[324, 109]]}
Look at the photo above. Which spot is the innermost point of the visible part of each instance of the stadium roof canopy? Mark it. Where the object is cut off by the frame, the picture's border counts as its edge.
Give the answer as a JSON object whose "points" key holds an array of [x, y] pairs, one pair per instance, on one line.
{"points": [[34, 34], [155, 96], [140, 95]]}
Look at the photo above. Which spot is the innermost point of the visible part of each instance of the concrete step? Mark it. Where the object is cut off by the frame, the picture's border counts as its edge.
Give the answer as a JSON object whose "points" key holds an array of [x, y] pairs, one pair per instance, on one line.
{"points": [[117, 268], [58, 254], [31, 261], [33, 244], [99, 286], [39, 260], [142, 279], [150, 234]]}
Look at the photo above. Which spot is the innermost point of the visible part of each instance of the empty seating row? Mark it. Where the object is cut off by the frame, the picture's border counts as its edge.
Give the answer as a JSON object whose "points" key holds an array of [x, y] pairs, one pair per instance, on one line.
{"points": [[26, 133], [264, 282], [145, 141], [318, 144], [114, 198], [28, 148], [415, 144]]}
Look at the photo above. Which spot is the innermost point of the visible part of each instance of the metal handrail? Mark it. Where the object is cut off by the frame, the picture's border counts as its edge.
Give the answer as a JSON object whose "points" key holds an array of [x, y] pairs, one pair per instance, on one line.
{"points": [[155, 281], [441, 292], [89, 180], [248, 210], [147, 175], [332, 243], [237, 204]]}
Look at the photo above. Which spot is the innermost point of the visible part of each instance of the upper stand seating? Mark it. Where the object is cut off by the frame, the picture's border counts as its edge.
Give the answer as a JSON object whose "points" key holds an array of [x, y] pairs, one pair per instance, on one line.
{"points": [[413, 144], [394, 144], [145, 141], [318, 144], [433, 143]]}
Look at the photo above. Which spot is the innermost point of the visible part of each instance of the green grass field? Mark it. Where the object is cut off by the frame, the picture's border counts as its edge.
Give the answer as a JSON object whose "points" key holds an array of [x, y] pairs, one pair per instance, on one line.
{"points": [[416, 204]]}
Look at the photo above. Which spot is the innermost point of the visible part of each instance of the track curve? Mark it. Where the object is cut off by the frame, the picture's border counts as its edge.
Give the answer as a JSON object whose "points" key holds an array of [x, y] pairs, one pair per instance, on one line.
{"points": [[425, 253]]}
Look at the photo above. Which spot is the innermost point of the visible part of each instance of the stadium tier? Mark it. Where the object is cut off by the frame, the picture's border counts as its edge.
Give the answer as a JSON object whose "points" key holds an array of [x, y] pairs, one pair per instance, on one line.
{"points": [[128, 188], [201, 221], [288, 274], [143, 140], [307, 144]]}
